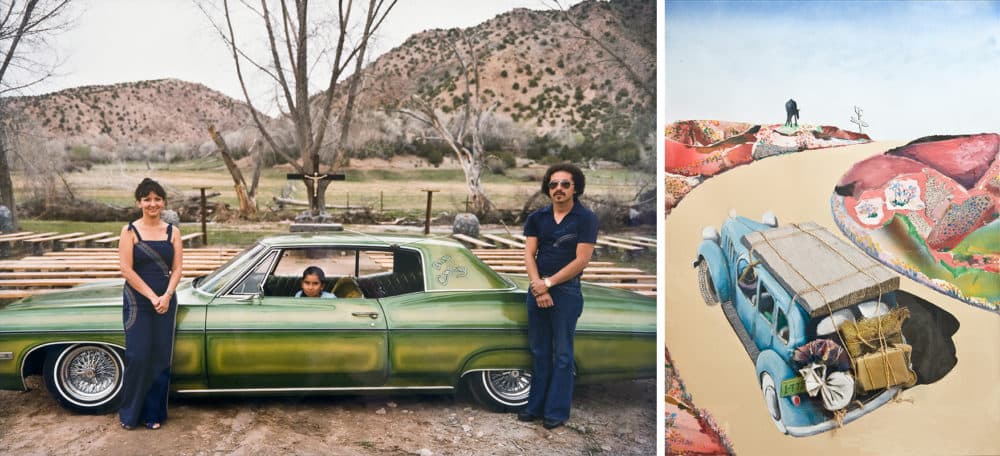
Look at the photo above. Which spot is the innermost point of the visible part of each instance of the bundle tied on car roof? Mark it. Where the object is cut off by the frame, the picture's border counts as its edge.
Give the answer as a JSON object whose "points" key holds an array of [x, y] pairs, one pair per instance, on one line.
{"points": [[824, 273]]}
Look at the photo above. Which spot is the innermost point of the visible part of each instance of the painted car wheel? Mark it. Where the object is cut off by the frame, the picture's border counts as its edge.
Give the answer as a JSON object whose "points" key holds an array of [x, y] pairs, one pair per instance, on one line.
{"points": [[706, 285], [501, 390], [771, 399], [85, 378]]}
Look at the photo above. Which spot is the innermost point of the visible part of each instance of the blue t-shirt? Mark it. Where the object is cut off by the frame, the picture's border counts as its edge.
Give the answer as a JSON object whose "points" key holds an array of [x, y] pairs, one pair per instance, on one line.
{"points": [[557, 241], [324, 294]]}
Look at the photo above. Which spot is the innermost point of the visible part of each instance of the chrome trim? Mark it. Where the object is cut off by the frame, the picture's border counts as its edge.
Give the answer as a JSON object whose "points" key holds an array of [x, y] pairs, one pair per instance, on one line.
{"points": [[273, 254], [6, 355], [464, 373], [878, 401], [281, 390], [62, 342]]}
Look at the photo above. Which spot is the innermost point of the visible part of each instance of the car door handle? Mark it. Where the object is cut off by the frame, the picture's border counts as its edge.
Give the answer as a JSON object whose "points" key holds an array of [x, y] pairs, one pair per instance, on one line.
{"points": [[372, 315]]}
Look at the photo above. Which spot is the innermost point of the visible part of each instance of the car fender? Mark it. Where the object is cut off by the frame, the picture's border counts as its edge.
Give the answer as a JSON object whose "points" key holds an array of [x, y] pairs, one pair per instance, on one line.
{"points": [[509, 358], [808, 412], [718, 266]]}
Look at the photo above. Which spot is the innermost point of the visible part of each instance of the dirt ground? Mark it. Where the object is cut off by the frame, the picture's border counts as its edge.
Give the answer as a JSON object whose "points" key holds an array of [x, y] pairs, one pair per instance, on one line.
{"points": [[616, 418]]}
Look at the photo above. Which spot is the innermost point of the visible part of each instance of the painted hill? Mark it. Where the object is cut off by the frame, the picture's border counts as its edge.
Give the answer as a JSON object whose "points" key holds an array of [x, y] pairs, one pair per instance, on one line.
{"points": [[699, 149], [929, 209]]}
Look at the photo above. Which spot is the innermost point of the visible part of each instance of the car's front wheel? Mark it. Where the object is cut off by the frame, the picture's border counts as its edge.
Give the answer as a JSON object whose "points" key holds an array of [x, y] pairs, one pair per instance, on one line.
{"points": [[500, 390], [706, 285], [85, 378]]}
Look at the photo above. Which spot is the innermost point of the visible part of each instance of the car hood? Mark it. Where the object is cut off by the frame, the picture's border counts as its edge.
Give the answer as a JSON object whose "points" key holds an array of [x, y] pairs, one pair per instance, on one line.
{"points": [[103, 293]]}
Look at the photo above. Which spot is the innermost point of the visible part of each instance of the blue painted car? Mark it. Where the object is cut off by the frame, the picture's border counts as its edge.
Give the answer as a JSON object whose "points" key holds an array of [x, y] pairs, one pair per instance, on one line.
{"points": [[738, 269]]}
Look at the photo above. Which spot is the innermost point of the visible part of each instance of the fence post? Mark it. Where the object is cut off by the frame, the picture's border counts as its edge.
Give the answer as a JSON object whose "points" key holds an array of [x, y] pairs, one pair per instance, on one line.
{"points": [[204, 230], [427, 219]]}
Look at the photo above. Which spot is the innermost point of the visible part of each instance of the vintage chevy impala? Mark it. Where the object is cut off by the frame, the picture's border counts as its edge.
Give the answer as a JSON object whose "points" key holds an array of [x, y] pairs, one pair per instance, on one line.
{"points": [[412, 315]]}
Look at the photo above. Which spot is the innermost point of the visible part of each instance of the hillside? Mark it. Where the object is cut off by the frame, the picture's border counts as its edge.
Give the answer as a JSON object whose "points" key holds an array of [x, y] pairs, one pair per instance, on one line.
{"points": [[132, 115], [542, 73]]}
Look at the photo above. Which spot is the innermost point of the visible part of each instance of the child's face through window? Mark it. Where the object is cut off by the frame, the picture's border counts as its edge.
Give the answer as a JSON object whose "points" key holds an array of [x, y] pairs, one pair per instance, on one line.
{"points": [[311, 286]]}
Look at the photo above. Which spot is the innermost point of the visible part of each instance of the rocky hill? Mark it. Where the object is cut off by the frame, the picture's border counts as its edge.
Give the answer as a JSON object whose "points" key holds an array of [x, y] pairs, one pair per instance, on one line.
{"points": [[132, 115], [543, 74]]}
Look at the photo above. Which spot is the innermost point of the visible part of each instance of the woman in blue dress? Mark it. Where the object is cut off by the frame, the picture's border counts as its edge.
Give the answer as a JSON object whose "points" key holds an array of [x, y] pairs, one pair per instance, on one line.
{"points": [[150, 255]]}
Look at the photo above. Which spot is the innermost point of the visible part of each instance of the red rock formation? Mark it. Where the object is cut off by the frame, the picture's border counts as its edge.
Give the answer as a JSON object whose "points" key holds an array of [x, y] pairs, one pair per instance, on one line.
{"points": [[965, 159]]}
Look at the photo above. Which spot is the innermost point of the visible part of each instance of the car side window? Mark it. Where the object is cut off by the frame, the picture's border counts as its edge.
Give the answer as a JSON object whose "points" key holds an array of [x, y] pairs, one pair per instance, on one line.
{"points": [[765, 303], [781, 329]]}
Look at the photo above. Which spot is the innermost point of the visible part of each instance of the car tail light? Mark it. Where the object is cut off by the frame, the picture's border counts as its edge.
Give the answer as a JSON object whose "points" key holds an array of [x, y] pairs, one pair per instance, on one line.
{"points": [[796, 400]]}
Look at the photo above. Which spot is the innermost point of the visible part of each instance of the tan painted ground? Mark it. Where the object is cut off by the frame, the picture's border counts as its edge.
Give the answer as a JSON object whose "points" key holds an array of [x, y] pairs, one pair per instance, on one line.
{"points": [[958, 415]]}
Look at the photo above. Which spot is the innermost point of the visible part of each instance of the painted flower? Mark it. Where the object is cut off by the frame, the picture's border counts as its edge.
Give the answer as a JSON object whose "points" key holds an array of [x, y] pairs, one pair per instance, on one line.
{"points": [[870, 211], [903, 194]]}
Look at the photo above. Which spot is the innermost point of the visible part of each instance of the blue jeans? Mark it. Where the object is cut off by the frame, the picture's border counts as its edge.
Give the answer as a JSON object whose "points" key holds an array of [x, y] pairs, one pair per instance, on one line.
{"points": [[550, 337]]}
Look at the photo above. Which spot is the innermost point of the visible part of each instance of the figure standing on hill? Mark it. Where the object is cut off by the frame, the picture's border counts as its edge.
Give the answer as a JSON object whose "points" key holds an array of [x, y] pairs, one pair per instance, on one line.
{"points": [[150, 255], [560, 242], [791, 111]]}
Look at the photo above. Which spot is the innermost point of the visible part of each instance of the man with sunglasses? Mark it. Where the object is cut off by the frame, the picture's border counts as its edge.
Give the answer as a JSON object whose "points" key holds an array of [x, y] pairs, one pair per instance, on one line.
{"points": [[560, 241]]}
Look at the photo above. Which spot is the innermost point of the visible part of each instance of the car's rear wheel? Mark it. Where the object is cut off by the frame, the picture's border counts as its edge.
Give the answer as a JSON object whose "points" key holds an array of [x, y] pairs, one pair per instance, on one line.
{"points": [[771, 399], [500, 390], [706, 285], [85, 378]]}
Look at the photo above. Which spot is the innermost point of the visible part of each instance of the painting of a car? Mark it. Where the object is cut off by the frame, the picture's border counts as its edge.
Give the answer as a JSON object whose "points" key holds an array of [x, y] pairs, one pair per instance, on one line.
{"points": [[817, 317], [412, 315]]}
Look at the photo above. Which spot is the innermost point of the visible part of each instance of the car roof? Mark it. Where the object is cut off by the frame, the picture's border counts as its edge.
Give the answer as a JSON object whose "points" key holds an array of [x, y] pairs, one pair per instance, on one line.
{"points": [[822, 271], [357, 239]]}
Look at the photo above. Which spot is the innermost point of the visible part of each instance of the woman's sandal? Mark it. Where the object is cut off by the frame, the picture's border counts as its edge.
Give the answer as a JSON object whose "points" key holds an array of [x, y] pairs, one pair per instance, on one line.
{"points": [[153, 426], [127, 427]]}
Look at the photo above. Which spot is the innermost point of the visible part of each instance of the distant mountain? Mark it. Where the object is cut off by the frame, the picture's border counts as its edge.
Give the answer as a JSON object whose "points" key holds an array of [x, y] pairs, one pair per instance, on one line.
{"points": [[544, 74], [131, 115]]}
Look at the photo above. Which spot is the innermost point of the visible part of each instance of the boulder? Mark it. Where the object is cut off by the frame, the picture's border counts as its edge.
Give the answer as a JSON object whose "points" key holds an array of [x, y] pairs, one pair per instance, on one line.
{"points": [[466, 224]]}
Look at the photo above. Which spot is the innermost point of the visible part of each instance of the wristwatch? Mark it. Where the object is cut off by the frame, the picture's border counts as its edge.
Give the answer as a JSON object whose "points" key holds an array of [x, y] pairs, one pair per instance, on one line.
{"points": [[548, 283]]}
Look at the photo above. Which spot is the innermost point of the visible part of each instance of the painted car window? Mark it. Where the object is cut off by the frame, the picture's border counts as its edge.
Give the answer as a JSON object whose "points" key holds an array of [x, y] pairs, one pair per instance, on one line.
{"points": [[214, 282], [746, 278], [765, 303], [781, 328]]}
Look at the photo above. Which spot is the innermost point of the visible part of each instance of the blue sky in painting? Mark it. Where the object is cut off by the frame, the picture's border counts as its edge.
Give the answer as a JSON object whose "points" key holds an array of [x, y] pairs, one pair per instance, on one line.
{"points": [[916, 68]]}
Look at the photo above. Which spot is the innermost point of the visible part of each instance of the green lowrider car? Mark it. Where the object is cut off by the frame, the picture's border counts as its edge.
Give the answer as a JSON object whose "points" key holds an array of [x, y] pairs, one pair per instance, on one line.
{"points": [[412, 315]]}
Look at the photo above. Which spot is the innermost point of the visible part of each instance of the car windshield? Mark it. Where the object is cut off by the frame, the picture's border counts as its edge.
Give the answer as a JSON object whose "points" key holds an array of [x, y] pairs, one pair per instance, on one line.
{"points": [[213, 282]]}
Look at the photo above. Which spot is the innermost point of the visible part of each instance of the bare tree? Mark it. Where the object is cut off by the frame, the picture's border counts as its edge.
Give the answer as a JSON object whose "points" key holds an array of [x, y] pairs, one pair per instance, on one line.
{"points": [[463, 133], [24, 27], [246, 195], [290, 35]]}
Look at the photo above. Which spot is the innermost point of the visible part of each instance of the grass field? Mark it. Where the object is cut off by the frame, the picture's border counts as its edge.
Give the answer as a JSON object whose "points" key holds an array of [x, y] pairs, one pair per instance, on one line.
{"points": [[396, 189]]}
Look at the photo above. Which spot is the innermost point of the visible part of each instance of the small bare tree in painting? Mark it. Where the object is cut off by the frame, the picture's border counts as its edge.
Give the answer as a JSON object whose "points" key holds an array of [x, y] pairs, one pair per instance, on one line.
{"points": [[857, 119]]}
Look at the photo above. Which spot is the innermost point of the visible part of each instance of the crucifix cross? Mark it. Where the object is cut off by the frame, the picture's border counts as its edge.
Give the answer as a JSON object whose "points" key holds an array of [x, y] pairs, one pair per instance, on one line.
{"points": [[315, 177]]}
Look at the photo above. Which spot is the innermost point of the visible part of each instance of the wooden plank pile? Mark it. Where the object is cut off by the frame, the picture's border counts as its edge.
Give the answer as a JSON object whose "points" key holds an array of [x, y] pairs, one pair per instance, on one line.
{"points": [[75, 266], [80, 265]]}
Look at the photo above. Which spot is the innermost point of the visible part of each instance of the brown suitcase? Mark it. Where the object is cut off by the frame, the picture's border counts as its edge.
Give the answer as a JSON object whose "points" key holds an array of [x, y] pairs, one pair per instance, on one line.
{"points": [[884, 369]]}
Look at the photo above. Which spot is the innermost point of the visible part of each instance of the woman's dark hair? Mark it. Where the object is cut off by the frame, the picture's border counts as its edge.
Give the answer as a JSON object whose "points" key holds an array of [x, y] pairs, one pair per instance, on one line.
{"points": [[148, 186], [314, 270], [578, 180]]}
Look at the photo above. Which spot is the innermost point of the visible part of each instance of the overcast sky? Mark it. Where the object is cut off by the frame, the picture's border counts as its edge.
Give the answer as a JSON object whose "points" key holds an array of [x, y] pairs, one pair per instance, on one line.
{"points": [[915, 68], [130, 40]]}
